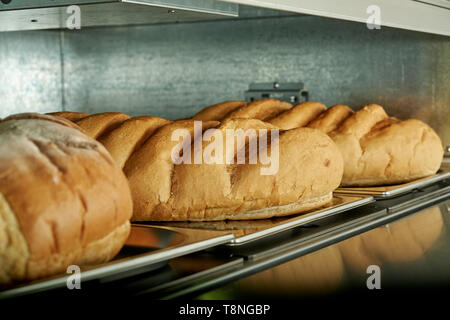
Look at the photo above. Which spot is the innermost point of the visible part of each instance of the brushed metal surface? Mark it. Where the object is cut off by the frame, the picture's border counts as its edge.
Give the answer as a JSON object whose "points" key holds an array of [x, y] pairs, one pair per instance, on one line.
{"points": [[117, 14], [27, 4], [412, 252], [30, 72], [155, 246], [174, 70], [246, 231], [386, 192], [215, 6]]}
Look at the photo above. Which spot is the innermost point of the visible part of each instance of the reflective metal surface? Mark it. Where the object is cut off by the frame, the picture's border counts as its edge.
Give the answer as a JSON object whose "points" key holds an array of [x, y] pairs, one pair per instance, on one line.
{"points": [[328, 256], [146, 249], [412, 254], [174, 70], [113, 13], [246, 231], [385, 192]]}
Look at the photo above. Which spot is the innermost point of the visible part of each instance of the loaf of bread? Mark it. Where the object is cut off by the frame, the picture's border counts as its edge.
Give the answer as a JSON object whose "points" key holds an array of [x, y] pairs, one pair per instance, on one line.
{"points": [[239, 191], [309, 169], [377, 149], [63, 199]]}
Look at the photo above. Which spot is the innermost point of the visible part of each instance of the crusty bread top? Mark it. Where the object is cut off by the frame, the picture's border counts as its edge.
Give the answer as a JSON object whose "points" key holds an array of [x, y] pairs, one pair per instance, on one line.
{"points": [[63, 187], [69, 115], [361, 122], [218, 111], [122, 141], [259, 109], [331, 118], [97, 124], [299, 116], [39, 116]]}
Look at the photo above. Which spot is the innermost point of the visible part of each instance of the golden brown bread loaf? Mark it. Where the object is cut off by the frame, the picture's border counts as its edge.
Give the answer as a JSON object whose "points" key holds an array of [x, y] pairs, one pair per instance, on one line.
{"points": [[377, 149], [310, 168], [63, 200], [306, 177]]}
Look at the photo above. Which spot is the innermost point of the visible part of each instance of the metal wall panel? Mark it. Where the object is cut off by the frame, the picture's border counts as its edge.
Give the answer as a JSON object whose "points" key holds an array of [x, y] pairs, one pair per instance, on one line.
{"points": [[30, 72], [174, 70]]}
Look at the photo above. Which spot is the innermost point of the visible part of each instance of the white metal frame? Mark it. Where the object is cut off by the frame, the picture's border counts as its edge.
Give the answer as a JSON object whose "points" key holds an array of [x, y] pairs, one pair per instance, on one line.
{"points": [[404, 14]]}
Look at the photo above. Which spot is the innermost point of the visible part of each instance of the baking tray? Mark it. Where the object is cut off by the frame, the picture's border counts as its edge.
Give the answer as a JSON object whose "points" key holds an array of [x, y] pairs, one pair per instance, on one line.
{"points": [[386, 192], [247, 231], [147, 248]]}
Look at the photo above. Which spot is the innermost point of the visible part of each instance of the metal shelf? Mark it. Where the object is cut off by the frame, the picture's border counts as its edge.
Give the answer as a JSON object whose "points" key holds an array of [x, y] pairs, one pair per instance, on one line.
{"points": [[37, 15], [431, 16]]}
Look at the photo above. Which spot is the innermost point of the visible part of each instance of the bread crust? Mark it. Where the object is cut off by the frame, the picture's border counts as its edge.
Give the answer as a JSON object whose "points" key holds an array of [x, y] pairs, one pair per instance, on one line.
{"points": [[39, 116], [98, 124], [331, 119], [14, 252], [135, 132], [260, 109], [66, 194], [218, 111], [69, 115], [298, 116], [274, 211], [392, 152]]}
